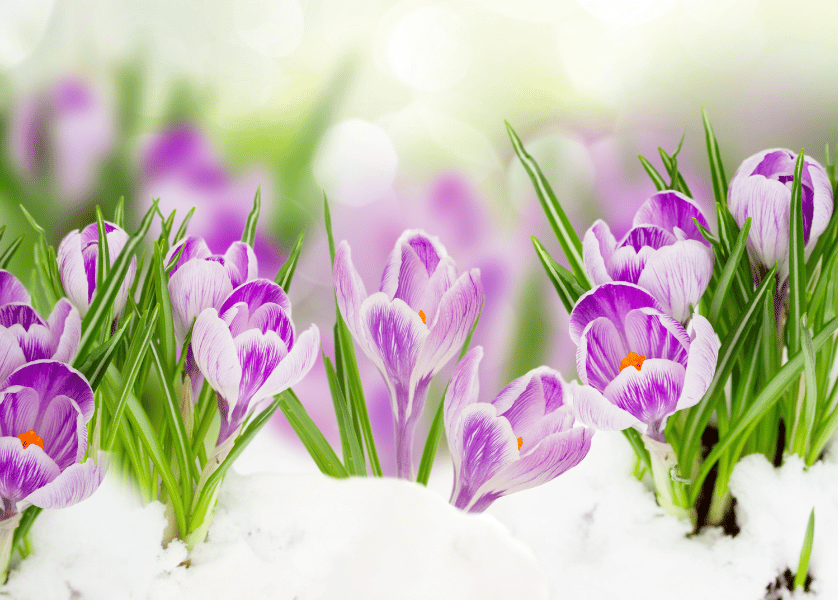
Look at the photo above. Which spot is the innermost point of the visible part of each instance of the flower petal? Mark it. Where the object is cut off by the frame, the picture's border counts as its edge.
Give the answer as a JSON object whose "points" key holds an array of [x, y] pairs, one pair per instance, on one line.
{"points": [[463, 388], [65, 328], [440, 282], [455, 317], [610, 300], [240, 262], [650, 394], [76, 483], [293, 367], [701, 363], [655, 335], [677, 276], [216, 356], [12, 290], [556, 453], [197, 285], [255, 293], [193, 247], [412, 243], [50, 379], [350, 293], [23, 470], [648, 236], [11, 356], [271, 317], [19, 408], [71, 270], [484, 444], [822, 201], [670, 210], [409, 274], [597, 248], [594, 410], [768, 203], [600, 353], [62, 428]]}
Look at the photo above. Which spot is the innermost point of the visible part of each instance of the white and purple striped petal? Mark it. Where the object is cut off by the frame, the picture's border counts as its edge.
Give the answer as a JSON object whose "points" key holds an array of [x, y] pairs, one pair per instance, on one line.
{"points": [[12, 290], [674, 212], [612, 301], [74, 484], [197, 285]]}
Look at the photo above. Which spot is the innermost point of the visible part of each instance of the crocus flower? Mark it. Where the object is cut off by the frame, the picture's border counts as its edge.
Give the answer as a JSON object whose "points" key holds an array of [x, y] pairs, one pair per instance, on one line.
{"points": [[761, 189], [663, 253], [521, 439], [78, 254], [44, 408], [65, 133], [201, 279], [25, 336], [12, 290], [638, 364], [248, 352], [413, 326]]}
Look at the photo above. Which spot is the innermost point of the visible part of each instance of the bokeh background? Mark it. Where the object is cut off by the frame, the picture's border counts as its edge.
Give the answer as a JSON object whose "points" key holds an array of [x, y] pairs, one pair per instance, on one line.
{"points": [[396, 111]]}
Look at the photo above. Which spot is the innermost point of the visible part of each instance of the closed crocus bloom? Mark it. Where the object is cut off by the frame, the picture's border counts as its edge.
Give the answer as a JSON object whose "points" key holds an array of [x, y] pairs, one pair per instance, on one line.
{"points": [[201, 279], [761, 189], [78, 254], [413, 326], [521, 439], [44, 408], [638, 364], [247, 350], [25, 336], [663, 253]]}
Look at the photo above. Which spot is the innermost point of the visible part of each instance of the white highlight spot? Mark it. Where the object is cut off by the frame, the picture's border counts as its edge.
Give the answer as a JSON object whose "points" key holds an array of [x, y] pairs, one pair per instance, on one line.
{"points": [[22, 25], [356, 163], [429, 49], [628, 12], [270, 27]]}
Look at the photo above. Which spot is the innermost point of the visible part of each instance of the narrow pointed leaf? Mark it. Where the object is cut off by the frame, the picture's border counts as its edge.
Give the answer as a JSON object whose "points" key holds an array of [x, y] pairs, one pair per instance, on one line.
{"points": [[805, 552], [96, 363], [286, 272], [563, 280], [166, 327], [311, 437], [570, 242], [656, 178], [249, 233], [119, 213], [181, 232], [8, 253], [717, 169], [720, 295], [353, 455]]}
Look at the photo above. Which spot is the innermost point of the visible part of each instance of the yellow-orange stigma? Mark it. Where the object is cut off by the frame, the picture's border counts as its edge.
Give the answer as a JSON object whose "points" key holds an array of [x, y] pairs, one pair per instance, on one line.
{"points": [[632, 360], [422, 314], [520, 442], [30, 437]]}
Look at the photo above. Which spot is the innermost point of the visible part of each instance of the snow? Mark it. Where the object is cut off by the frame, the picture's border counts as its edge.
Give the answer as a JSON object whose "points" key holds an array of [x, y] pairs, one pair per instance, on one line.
{"points": [[281, 530]]}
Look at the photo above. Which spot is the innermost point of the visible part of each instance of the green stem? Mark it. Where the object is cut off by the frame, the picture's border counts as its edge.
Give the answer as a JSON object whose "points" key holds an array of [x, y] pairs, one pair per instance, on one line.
{"points": [[7, 535]]}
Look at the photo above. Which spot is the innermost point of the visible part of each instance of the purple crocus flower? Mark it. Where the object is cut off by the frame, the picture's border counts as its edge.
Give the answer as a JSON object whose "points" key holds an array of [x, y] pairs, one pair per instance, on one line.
{"points": [[12, 290], [44, 408], [413, 326], [521, 439], [664, 253], [761, 189], [248, 352], [78, 254], [201, 279], [65, 133], [25, 336], [638, 364]]}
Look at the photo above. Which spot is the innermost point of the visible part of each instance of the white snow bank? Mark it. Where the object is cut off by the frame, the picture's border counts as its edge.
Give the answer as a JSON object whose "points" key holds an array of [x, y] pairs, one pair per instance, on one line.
{"points": [[274, 536]]}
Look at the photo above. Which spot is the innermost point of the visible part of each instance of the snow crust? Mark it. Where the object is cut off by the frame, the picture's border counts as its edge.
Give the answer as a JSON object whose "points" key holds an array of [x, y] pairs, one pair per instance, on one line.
{"points": [[595, 532]]}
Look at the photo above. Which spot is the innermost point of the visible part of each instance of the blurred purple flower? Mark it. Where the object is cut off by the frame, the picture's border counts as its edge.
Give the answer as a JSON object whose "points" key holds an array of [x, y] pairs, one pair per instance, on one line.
{"points": [[413, 326], [638, 364], [183, 168], [65, 133], [247, 350], [761, 189], [663, 253], [26, 337], [44, 408], [77, 257], [523, 438]]}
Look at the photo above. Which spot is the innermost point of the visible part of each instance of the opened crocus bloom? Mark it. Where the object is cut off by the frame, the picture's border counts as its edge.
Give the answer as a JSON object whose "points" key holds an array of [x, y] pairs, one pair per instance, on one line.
{"points": [[638, 364], [761, 189], [409, 348], [247, 351], [44, 408], [201, 279], [521, 439], [78, 254], [25, 336], [663, 253]]}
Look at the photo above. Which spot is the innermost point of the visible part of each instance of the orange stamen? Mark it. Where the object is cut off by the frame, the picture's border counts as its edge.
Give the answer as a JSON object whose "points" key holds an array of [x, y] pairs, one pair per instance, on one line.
{"points": [[30, 437], [422, 314], [520, 442], [633, 360]]}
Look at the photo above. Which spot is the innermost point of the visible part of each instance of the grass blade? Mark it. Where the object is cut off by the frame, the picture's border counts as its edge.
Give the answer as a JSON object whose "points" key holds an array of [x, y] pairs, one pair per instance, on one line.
{"points": [[119, 213], [249, 233], [805, 552], [563, 280], [286, 271], [353, 455], [96, 363], [717, 169], [729, 271], [181, 232], [437, 426], [797, 261], [570, 242], [311, 437], [656, 178], [9, 253], [166, 327]]}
